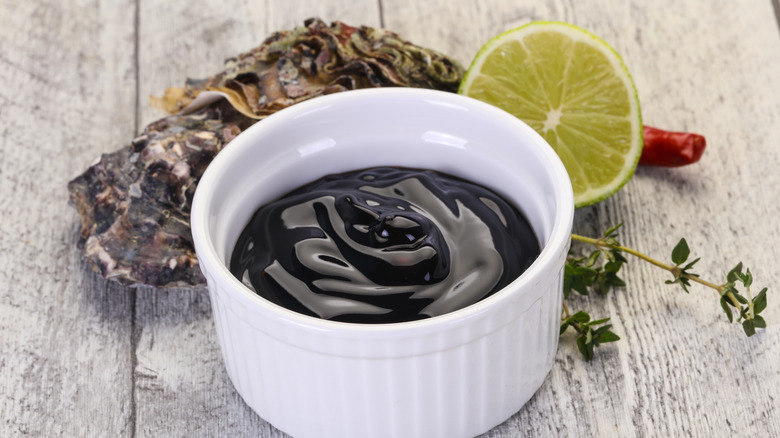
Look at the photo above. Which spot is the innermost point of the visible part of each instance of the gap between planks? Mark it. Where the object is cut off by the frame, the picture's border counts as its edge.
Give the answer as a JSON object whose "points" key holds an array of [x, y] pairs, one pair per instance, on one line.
{"points": [[775, 6], [134, 330]]}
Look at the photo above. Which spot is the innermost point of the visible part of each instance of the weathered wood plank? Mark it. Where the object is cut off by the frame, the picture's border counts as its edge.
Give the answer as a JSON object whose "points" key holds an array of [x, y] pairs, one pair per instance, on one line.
{"points": [[681, 369], [79, 356], [64, 338], [178, 371], [687, 366], [180, 381], [287, 14]]}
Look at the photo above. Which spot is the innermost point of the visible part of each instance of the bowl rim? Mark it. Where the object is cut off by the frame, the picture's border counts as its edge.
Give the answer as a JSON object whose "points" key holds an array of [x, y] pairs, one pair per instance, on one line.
{"points": [[211, 264]]}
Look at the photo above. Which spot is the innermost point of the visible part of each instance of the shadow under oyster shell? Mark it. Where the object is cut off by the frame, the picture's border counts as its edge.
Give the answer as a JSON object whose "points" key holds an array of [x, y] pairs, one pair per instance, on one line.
{"points": [[135, 203]]}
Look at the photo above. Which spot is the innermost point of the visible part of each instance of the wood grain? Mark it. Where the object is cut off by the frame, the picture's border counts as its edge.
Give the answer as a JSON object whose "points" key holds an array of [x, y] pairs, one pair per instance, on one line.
{"points": [[179, 374], [83, 357], [66, 91]]}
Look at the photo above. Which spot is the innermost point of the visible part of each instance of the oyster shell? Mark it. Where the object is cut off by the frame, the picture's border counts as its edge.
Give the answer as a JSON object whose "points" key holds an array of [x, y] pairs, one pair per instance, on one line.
{"points": [[135, 203], [292, 66]]}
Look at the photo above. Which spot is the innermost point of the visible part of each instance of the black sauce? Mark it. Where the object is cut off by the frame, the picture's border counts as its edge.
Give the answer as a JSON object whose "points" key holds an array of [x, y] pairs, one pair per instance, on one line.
{"points": [[383, 245]]}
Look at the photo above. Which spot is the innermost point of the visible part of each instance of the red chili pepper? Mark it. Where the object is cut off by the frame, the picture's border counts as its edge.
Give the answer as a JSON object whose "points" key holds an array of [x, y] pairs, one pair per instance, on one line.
{"points": [[671, 149]]}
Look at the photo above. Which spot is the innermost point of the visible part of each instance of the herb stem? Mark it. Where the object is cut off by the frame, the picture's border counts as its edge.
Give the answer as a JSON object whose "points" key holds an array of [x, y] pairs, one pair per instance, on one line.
{"points": [[600, 243], [567, 315], [751, 314], [566, 311], [586, 273]]}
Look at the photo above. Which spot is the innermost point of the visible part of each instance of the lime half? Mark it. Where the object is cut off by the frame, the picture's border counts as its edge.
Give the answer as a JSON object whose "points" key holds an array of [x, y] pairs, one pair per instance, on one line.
{"points": [[574, 90]]}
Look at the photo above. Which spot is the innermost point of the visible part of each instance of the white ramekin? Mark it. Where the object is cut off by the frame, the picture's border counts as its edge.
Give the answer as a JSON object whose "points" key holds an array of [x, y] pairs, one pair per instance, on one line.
{"points": [[459, 374]]}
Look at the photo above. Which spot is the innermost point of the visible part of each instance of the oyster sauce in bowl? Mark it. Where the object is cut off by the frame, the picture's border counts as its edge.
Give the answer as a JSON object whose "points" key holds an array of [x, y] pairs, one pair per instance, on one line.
{"points": [[458, 373]]}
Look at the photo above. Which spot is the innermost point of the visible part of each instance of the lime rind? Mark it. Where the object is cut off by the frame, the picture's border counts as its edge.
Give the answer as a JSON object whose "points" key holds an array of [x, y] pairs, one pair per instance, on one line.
{"points": [[577, 34]]}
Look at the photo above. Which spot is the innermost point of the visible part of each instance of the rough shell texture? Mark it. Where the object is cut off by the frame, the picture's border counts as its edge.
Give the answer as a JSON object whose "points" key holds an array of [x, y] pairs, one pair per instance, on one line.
{"points": [[134, 203], [292, 66]]}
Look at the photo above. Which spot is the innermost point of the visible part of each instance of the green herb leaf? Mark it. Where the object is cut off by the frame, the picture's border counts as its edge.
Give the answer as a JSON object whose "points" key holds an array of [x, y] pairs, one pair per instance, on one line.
{"points": [[748, 278], [581, 317], [608, 336], [612, 230], [749, 326], [743, 313], [585, 348], [689, 266], [725, 303], [732, 275], [598, 321], [680, 252], [594, 256], [601, 274], [759, 302], [682, 281]]}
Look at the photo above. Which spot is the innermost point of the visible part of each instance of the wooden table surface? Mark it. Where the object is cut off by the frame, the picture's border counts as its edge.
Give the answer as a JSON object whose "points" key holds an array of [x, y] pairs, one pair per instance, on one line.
{"points": [[80, 356]]}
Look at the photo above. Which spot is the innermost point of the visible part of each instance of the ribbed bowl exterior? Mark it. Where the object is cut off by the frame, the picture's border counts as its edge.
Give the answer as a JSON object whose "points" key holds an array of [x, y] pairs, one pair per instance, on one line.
{"points": [[454, 375], [451, 383]]}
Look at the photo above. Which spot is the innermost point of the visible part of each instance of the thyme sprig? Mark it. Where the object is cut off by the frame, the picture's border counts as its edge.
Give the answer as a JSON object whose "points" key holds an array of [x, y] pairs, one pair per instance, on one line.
{"points": [[598, 272], [589, 334]]}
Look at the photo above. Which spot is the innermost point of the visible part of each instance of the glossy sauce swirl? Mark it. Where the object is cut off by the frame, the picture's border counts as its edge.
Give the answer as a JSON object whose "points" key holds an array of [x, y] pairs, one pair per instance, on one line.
{"points": [[383, 245]]}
